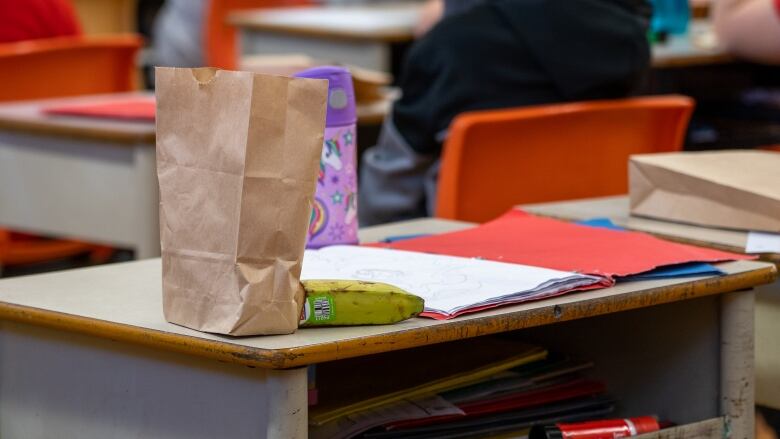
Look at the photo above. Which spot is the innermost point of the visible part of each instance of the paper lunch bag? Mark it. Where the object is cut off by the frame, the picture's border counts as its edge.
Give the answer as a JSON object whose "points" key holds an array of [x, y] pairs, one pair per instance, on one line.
{"points": [[729, 189], [237, 161]]}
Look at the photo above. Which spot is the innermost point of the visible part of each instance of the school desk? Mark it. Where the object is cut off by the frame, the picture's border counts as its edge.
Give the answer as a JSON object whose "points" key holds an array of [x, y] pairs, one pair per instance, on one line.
{"points": [[87, 354], [92, 179], [698, 47], [364, 36], [78, 177], [767, 298]]}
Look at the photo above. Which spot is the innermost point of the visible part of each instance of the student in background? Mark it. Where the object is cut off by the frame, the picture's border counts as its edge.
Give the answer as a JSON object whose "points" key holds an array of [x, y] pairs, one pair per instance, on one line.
{"points": [[35, 19], [495, 54], [749, 28], [178, 34]]}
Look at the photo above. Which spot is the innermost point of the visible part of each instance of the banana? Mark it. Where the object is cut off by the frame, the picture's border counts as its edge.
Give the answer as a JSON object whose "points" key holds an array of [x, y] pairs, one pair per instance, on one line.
{"points": [[354, 302]]}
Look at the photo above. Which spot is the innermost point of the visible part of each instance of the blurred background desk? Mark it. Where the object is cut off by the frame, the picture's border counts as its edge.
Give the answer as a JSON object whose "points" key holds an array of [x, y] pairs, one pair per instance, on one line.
{"points": [[696, 48], [373, 37], [368, 36], [78, 177]]}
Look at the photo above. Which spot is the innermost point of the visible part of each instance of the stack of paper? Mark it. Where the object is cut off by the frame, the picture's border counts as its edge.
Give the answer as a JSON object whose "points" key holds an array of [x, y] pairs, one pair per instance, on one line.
{"points": [[449, 285], [513, 388]]}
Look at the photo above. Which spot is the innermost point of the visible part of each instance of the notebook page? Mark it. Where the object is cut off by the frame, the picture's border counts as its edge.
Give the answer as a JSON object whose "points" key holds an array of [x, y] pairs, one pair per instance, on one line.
{"points": [[447, 283]]}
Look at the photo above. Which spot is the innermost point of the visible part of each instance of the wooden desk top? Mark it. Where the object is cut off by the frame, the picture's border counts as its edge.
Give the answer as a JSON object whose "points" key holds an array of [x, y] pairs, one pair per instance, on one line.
{"points": [[382, 23], [26, 116], [617, 209], [698, 47], [123, 302]]}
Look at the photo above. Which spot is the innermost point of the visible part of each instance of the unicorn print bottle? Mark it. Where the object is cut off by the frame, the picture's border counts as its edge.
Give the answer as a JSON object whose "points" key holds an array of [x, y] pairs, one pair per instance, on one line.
{"points": [[334, 216]]}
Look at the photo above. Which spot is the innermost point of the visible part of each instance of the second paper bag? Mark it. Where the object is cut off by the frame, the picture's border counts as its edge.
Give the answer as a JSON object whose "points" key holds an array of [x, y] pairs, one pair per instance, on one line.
{"points": [[237, 161]]}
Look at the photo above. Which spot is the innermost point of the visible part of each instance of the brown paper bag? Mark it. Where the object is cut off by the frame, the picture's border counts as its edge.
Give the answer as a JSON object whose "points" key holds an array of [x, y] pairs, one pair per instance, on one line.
{"points": [[730, 189], [237, 161]]}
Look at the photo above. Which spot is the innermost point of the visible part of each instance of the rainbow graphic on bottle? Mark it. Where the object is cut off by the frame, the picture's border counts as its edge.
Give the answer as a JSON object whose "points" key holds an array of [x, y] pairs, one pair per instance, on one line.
{"points": [[334, 213]]}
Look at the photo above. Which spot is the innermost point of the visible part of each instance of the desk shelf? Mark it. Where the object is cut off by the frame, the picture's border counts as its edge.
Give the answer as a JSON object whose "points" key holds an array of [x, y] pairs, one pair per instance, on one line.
{"points": [[663, 360]]}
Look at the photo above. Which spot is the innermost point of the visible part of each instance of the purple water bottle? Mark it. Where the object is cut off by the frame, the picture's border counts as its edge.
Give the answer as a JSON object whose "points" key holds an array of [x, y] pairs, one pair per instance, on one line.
{"points": [[334, 217]]}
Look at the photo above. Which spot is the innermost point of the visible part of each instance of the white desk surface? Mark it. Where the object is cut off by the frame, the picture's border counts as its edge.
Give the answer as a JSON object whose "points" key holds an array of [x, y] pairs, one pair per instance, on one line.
{"points": [[124, 302], [26, 116], [384, 22]]}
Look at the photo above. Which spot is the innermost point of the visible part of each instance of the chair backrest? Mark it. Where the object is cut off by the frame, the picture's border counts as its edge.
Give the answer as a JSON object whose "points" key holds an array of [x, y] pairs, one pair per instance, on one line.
{"points": [[221, 37], [493, 160], [67, 66]]}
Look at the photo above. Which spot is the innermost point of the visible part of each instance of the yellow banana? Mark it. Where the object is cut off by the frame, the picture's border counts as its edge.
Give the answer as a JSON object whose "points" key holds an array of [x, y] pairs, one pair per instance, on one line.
{"points": [[354, 302]]}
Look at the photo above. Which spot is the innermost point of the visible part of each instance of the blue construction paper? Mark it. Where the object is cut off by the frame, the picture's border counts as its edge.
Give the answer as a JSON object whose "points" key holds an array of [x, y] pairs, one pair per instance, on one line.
{"points": [[404, 237], [604, 223], [667, 272]]}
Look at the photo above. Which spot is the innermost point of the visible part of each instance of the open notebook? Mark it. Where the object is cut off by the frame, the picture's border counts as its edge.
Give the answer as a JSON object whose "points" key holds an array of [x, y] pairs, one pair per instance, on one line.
{"points": [[450, 285]]}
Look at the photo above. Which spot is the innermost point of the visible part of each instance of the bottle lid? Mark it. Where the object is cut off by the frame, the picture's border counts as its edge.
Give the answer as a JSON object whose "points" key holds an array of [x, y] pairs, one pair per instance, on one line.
{"points": [[341, 93]]}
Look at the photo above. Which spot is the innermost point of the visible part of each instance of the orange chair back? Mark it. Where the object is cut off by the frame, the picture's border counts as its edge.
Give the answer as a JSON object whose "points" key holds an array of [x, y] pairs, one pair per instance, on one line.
{"points": [[493, 160], [221, 37], [67, 66]]}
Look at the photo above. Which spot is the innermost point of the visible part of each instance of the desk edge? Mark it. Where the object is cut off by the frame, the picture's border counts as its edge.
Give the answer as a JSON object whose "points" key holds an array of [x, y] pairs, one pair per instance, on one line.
{"points": [[98, 134], [317, 353]]}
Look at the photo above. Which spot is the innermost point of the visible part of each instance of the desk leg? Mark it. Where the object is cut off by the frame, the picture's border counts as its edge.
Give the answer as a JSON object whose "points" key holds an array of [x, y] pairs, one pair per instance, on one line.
{"points": [[288, 412], [767, 346], [147, 222], [736, 362]]}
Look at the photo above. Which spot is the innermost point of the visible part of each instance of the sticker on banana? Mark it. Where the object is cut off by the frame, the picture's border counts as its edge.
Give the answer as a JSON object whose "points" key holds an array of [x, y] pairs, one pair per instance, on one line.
{"points": [[354, 302]]}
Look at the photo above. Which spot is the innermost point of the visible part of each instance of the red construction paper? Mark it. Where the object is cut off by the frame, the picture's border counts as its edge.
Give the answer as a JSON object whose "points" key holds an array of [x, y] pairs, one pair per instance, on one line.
{"points": [[521, 238], [515, 401], [141, 108]]}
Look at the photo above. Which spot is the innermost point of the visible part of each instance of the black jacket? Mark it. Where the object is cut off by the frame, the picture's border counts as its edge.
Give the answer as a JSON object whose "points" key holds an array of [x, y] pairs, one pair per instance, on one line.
{"points": [[500, 53], [507, 53]]}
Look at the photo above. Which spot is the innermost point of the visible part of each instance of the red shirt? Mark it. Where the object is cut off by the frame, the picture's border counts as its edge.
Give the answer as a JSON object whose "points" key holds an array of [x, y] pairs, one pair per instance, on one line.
{"points": [[34, 19]]}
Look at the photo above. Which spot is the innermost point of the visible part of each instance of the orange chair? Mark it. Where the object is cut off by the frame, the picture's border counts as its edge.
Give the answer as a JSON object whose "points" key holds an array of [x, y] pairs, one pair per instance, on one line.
{"points": [[493, 160], [221, 40], [55, 67], [67, 66]]}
